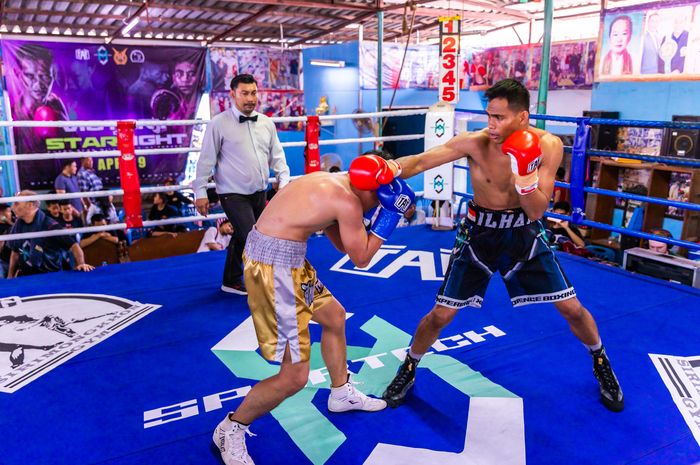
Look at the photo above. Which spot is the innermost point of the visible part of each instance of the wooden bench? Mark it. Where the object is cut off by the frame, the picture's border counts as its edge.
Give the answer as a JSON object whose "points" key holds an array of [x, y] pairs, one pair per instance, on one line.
{"points": [[149, 248], [101, 251]]}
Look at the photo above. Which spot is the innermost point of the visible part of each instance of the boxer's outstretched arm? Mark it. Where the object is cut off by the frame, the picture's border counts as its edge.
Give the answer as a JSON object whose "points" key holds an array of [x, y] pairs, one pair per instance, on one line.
{"points": [[454, 149]]}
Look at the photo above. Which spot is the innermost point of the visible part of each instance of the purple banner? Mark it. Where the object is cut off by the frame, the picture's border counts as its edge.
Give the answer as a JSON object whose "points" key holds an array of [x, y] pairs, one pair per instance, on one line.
{"points": [[72, 81]]}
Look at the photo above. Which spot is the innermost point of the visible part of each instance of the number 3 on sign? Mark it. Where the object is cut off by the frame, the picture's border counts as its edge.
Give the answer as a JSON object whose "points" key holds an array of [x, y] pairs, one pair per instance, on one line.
{"points": [[449, 59]]}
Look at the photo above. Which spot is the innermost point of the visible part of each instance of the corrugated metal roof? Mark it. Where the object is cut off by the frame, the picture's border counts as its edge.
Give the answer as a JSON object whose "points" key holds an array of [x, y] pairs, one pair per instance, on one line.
{"points": [[270, 21]]}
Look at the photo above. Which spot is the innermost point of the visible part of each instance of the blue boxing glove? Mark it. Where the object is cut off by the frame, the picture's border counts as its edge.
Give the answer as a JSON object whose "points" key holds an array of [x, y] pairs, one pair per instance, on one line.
{"points": [[394, 198], [367, 217]]}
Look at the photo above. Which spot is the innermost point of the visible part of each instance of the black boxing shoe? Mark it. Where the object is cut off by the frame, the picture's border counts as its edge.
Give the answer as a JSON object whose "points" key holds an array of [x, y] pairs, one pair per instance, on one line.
{"points": [[403, 381], [610, 391]]}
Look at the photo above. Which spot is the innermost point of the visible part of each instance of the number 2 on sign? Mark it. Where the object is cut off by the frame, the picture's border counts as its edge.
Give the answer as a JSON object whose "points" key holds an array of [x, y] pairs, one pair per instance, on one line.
{"points": [[449, 45]]}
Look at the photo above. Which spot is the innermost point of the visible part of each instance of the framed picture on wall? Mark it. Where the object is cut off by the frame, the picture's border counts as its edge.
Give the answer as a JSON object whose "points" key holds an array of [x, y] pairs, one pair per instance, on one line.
{"points": [[679, 191]]}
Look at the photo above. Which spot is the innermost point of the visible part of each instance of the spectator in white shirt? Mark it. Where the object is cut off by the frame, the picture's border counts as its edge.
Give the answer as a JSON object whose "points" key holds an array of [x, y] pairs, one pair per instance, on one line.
{"points": [[216, 238]]}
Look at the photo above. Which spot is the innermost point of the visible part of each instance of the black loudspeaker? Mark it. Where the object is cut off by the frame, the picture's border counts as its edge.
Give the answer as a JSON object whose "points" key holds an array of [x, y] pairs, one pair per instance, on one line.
{"points": [[603, 137], [682, 142]]}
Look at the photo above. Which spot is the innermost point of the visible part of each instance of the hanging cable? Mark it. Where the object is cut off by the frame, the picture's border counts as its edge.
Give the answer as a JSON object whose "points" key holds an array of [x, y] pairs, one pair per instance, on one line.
{"points": [[412, 6]]}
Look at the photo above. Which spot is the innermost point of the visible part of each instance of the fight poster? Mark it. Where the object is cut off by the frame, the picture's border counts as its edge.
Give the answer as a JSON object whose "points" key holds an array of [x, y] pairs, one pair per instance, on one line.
{"points": [[652, 42], [52, 81], [278, 74]]}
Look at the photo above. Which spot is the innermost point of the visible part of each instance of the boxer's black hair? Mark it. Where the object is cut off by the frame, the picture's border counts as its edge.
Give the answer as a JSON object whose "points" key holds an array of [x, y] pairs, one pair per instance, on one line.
{"points": [[380, 153], [514, 92], [242, 79]]}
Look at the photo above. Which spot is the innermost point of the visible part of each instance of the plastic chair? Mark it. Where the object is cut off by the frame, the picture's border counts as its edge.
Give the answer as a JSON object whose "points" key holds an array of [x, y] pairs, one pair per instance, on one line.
{"points": [[602, 252]]}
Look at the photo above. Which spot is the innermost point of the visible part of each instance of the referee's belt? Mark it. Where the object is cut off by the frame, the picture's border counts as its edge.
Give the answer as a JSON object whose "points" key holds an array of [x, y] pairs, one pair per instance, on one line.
{"points": [[497, 219]]}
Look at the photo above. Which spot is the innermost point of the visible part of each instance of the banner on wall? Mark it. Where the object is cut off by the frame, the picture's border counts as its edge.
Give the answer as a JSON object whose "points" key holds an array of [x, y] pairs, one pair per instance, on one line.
{"points": [[653, 42], [52, 81], [278, 74], [421, 68], [571, 65]]}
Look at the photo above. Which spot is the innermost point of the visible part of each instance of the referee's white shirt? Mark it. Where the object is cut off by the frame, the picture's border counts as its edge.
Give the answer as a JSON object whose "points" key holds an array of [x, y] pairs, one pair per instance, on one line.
{"points": [[241, 155]]}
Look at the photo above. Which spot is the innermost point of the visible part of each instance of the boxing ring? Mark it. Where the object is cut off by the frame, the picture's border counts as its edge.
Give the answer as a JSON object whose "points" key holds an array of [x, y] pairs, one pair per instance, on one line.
{"points": [[137, 362]]}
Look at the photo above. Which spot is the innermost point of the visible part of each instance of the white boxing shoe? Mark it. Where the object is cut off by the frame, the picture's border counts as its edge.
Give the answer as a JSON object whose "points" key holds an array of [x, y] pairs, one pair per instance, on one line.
{"points": [[346, 398], [229, 438]]}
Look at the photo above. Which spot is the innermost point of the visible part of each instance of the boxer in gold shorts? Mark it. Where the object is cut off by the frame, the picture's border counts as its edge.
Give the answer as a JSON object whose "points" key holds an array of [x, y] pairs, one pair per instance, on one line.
{"points": [[284, 293]]}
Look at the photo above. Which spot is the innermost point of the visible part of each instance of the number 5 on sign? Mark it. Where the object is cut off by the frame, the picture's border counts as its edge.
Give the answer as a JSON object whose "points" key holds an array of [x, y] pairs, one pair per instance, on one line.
{"points": [[449, 59]]}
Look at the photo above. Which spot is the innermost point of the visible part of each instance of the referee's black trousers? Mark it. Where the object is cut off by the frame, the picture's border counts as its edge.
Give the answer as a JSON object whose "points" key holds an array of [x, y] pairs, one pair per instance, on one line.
{"points": [[243, 211]]}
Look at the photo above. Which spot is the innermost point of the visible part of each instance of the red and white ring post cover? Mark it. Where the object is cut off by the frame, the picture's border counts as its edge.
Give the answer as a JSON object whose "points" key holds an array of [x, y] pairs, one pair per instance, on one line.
{"points": [[129, 174], [450, 28], [312, 152]]}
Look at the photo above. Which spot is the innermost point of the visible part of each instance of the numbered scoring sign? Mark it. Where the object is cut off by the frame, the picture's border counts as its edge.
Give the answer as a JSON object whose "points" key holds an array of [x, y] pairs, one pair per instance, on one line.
{"points": [[449, 59]]}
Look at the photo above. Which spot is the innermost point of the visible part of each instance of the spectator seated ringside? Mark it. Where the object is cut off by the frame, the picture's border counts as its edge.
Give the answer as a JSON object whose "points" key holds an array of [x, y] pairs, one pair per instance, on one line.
{"points": [[217, 238]]}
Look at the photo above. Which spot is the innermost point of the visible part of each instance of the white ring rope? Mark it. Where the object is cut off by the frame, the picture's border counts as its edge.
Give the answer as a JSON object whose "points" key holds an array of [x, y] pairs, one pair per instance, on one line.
{"points": [[120, 226], [108, 227], [187, 122], [140, 152], [117, 192], [96, 154], [169, 151], [110, 123]]}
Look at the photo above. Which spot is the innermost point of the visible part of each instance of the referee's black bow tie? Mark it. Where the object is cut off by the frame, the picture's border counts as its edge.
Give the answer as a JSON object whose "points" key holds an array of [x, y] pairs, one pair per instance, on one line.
{"points": [[243, 119]]}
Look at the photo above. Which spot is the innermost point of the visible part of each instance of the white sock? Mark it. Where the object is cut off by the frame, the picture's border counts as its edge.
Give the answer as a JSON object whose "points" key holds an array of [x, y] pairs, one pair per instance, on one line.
{"points": [[340, 391], [414, 355], [594, 347]]}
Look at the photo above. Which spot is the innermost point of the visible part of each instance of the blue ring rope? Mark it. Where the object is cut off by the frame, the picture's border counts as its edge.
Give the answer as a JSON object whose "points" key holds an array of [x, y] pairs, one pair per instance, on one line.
{"points": [[602, 121], [580, 152]]}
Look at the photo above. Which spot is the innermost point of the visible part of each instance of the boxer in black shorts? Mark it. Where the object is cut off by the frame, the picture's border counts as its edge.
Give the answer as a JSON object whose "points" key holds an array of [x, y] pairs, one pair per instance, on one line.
{"points": [[512, 168], [507, 242]]}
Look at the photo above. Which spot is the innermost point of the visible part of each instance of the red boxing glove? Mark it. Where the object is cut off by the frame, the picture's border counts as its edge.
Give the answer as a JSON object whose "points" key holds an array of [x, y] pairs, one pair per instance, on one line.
{"points": [[368, 172], [523, 148]]}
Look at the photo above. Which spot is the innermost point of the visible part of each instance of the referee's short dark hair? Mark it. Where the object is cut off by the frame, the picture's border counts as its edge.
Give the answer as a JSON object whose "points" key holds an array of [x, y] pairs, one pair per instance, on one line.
{"points": [[242, 79]]}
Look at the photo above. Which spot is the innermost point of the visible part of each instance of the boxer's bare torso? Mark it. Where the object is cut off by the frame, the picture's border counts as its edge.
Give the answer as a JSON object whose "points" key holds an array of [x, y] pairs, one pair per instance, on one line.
{"points": [[489, 169], [312, 203]]}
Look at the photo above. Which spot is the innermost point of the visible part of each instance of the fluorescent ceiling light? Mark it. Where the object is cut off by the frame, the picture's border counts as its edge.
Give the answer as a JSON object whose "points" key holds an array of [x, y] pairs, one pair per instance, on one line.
{"points": [[130, 25], [353, 26], [330, 63]]}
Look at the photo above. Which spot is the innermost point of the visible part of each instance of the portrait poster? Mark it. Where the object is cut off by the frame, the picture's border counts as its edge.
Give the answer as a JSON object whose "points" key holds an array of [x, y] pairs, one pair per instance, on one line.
{"points": [[52, 81], [657, 41]]}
